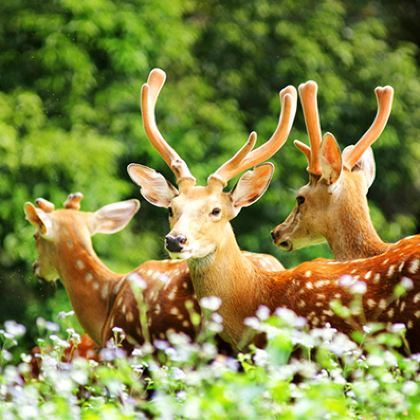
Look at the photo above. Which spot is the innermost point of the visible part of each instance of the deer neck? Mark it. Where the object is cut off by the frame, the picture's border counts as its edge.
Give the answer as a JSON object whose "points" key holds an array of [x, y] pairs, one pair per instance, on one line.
{"points": [[353, 235], [88, 282], [229, 275]]}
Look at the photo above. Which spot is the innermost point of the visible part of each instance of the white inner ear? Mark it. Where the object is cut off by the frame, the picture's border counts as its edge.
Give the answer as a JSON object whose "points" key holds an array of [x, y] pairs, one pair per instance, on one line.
{"points": [[366, 164], [251, 186], [153, 185], [114, 217]]}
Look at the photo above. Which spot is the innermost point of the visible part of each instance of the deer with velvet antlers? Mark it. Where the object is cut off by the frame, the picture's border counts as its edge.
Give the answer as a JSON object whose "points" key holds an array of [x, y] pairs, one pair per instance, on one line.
{"points": [[333, 205], [101, 298], [200, 233]]}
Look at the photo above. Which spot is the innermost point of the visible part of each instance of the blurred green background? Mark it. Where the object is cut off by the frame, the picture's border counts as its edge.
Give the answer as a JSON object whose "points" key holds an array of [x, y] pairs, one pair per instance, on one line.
{"points": [[70, 76]]}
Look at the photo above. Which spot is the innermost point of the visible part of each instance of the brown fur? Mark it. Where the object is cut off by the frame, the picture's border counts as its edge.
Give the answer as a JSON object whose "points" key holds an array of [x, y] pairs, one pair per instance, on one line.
{"points": [[103, 299]]}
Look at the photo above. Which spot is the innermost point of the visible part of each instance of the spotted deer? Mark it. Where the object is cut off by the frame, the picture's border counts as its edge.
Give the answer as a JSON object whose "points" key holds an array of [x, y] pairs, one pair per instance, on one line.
{"points": [[333, 205], [101, 298], [201, 234]]}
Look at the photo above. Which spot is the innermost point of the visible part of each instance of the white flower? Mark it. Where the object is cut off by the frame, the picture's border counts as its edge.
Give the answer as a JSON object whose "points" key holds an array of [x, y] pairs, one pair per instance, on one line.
{"points": [[211, 303], [263, 312], [407, 283], [59, 342], [178, 374], [44, 324], [15, 329], [252, 322], [137, 281], [410, 388], [288, 316], [358, 288], [346, 280], [260, 357], [62, 314], [397, 328]]}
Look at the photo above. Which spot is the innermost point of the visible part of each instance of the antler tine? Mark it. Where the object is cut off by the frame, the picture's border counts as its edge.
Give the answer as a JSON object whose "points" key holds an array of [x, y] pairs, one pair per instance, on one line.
{"points": [[73, 201], [306, 150], [149, 94], [44, 205], [384, 96], [288, 99], [308, 98], [224, 173]]}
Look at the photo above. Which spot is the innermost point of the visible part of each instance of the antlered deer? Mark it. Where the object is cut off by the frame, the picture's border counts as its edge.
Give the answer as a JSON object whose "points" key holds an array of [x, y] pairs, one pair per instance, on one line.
{"points": [[333, 205], [201, 234], [101, 298]]}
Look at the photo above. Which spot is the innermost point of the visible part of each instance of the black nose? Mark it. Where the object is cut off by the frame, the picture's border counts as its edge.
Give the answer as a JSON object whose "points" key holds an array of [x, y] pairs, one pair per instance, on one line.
{"points": [[175, 243], [273, 234]]}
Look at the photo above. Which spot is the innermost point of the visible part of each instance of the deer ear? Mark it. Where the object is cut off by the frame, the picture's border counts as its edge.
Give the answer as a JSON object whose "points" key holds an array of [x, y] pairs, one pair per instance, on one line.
{"points": [[251, 186], [366, 164], [38, 218], [153, 185], [114, 217], [331, 161]]}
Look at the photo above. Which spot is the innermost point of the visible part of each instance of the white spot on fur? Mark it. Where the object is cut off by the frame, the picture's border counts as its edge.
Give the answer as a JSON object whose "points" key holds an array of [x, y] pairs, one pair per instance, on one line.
{"points": [[414, 266], [320, 296], [403, 305], [89, 276], [382, 304], [401, 266], [80, 264], [416, 298], [129, 317], [174, 311], [417, 314], [385, 261], [309, 285], [337, 295], [376, 278], [391, 270], [157, 309], [390, 313], [328, 312], [301, 303], [95, 285], [371, 303], [368, 275], [410, 324], [124, 309], [308, 273], [171, 294], [105, 291], [70, 244], [186, 324]]}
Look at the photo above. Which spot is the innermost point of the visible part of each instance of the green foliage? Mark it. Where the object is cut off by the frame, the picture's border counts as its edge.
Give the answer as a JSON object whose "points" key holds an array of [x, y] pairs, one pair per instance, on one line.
{"points": [[70, 74]]}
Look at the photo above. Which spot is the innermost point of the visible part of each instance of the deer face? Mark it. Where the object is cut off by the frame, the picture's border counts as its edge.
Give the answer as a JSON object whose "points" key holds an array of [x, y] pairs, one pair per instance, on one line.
{"points": [[45, 266], [199, 216], [338, 181]]}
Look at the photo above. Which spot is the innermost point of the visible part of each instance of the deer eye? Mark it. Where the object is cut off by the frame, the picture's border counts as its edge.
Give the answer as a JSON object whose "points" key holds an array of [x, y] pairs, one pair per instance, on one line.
{"points": [[170, 212], [216, 211], [300, 199]]}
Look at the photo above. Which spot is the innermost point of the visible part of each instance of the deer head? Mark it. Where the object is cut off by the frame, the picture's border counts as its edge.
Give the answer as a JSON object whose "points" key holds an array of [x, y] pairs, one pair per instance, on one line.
{"points": [[199, 215], [51, 227], [333, 205]]}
